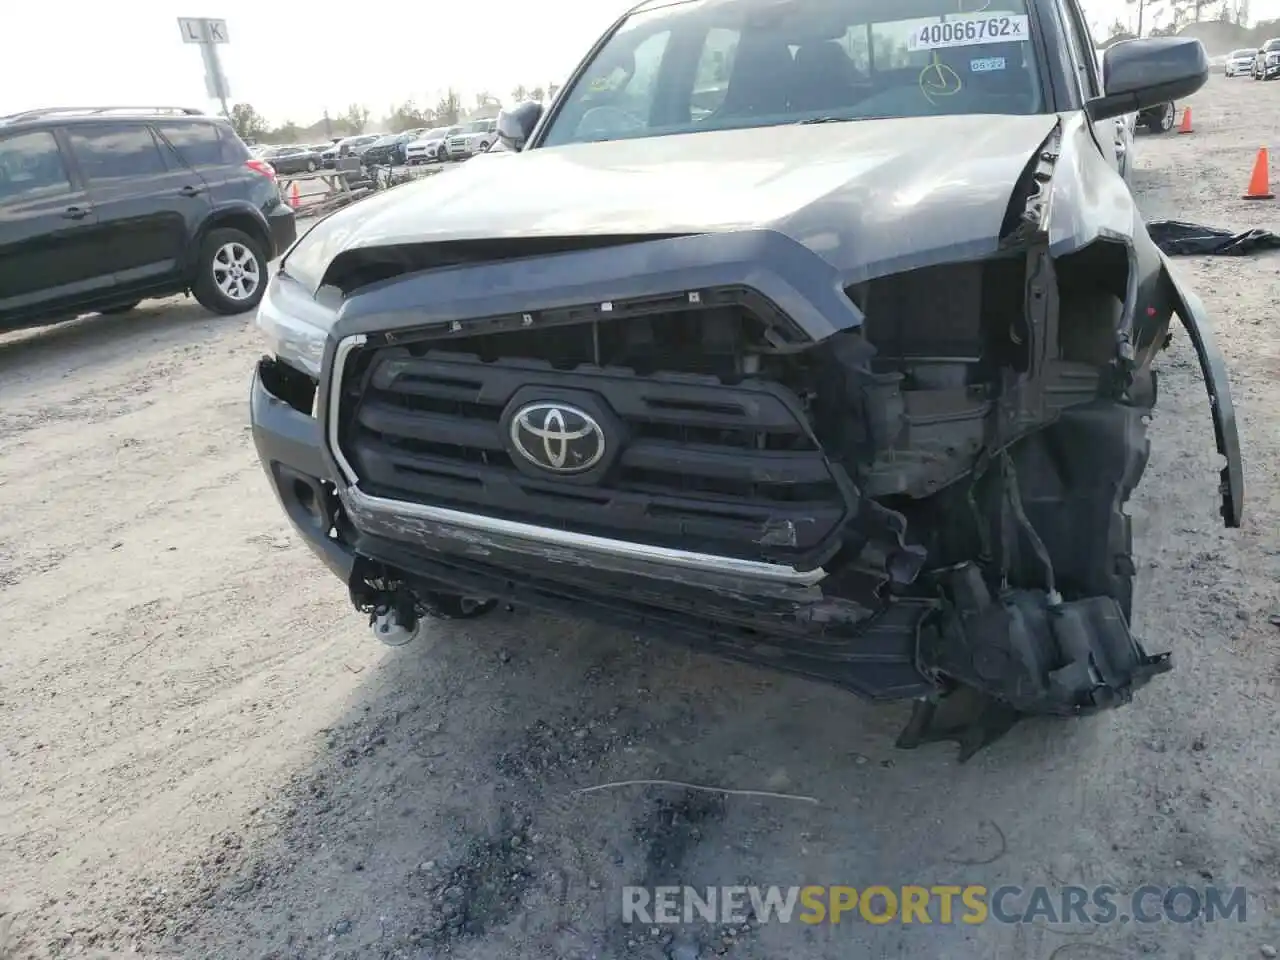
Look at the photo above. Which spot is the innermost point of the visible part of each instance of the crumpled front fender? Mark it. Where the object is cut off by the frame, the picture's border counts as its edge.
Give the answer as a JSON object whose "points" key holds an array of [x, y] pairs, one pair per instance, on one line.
{"points": [[1199, 327]]}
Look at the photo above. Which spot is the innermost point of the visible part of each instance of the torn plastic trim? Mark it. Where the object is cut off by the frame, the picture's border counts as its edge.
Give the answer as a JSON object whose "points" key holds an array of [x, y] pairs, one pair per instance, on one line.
{"points": [[1195, 319], [1027, 215]]}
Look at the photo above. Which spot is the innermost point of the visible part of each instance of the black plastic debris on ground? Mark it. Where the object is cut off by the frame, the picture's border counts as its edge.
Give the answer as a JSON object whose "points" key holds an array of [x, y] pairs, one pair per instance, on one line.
{"points": [[1178, 239]]}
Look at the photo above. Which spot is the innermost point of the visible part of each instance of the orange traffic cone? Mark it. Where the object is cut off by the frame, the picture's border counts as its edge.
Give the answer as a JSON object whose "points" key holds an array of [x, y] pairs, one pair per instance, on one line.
{"points": [[295, 199], [1186, 120], [1260, 181]]}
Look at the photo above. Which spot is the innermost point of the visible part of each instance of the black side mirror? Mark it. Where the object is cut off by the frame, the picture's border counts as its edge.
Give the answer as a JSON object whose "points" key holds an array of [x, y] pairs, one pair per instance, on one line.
{"points": [[515, 126], [1138, 74]]}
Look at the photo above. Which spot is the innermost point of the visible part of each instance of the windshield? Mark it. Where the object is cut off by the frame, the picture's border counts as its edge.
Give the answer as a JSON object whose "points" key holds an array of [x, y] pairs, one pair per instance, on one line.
{"points": [[1242, 53], [1272, 45], [695, 65], [435, 133], [475, 126]]}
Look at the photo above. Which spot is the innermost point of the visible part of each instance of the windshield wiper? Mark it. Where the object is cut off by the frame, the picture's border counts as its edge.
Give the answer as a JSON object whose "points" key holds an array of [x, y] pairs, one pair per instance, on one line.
{"points": [[829, 120]]}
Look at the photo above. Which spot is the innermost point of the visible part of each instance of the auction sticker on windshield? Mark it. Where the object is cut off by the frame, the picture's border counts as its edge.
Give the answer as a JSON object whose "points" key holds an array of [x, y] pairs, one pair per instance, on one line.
{"points": [[969, 30]]}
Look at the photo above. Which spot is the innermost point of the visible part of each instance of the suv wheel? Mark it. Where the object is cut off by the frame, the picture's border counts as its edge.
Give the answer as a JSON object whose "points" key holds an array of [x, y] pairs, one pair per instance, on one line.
{"points": [[231, 273], [311, 166]]}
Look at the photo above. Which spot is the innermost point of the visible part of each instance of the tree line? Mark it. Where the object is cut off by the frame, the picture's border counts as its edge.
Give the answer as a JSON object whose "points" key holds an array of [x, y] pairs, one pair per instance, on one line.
{"points": [[1164, 18], [357, 118]]}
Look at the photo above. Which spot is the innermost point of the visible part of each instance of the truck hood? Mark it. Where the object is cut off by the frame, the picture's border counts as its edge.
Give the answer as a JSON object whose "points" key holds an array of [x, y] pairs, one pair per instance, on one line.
{"points": [[871, 197]]}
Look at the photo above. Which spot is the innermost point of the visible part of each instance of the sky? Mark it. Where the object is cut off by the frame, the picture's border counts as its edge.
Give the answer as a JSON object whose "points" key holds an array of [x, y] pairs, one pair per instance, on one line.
{"points": [[292, 62]]}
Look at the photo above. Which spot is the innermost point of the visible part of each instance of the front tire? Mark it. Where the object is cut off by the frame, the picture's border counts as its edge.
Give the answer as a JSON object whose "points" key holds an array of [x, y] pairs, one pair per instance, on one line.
{"points": [[231, 272], [311, 166]]}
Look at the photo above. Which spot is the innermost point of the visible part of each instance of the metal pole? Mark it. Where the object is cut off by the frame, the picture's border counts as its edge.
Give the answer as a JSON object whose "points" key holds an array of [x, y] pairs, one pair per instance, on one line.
{"points": [[213, 66], [219, 77]]}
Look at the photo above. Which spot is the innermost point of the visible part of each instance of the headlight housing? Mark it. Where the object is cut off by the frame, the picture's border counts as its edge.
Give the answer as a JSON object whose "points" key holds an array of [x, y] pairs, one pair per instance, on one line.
{"points": [[295, 325]]}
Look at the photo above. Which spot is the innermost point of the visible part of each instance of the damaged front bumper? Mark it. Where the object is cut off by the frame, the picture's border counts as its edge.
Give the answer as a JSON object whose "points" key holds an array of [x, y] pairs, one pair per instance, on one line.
{"points": [[1029, 651], [919, 633]]}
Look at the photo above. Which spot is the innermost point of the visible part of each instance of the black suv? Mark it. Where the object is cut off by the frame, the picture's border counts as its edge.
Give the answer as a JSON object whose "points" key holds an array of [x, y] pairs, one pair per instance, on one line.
{"points": [[103, 207]]}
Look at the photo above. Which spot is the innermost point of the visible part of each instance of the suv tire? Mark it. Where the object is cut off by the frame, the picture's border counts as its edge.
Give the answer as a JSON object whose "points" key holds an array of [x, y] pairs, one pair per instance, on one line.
{"points": [[231, 272]]}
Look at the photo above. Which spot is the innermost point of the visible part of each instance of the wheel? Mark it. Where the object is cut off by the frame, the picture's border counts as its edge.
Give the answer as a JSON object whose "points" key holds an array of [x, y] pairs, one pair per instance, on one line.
{"points": [[231, 272], [1163, 121], [311, 166], [484, 145], [122, 308]]}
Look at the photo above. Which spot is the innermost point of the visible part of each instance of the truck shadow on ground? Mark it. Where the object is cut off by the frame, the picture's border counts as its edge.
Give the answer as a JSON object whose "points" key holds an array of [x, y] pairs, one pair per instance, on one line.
{"points": [[445, 814]]}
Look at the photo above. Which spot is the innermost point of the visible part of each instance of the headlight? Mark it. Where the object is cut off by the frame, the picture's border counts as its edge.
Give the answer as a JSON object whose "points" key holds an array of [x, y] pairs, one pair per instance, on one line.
{"points": [[294, 324]]}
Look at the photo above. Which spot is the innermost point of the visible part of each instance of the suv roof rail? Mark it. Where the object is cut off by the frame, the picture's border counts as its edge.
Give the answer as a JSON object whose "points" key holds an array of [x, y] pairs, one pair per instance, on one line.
{"points": [[97, 111]]}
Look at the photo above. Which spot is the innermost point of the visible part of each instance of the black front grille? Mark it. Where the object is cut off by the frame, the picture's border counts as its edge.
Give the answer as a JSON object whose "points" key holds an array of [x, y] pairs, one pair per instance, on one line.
{"points": [[702, 465]]}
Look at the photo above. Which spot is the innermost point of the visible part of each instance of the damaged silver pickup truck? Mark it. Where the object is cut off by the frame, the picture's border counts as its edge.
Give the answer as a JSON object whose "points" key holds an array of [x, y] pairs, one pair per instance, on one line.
{"points": [[819, 334]]}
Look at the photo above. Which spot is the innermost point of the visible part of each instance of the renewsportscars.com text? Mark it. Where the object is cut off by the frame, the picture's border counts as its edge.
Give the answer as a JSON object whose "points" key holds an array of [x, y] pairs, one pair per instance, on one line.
{"points": [[939, 903]]}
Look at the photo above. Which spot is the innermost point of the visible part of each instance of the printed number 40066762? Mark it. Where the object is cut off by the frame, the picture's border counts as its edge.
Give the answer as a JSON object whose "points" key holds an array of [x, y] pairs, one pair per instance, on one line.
{"points": [[969, 31]]}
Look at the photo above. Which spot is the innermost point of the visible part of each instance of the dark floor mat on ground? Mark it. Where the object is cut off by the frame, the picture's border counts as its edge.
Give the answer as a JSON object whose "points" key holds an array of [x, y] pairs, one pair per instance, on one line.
{"points": [[1179, 239]]}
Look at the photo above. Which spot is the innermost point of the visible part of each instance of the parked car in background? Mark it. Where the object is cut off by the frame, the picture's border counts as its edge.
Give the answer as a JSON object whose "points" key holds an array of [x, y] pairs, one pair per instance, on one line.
{"points": [[1266, 61], [474, 137], [101, 208], [346, 147], [429, 147], [1240, 62], [1159, 119], [1126, 126], [390, 150], [293, 159]]}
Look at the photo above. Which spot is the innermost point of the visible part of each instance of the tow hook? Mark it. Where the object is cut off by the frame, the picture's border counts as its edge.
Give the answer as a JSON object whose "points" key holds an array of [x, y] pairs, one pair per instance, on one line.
{"points": [[394, 621]]}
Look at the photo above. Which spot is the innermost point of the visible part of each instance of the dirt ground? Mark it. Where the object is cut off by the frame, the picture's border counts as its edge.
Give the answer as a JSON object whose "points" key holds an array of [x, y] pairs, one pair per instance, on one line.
{"points": [[205, 754]]}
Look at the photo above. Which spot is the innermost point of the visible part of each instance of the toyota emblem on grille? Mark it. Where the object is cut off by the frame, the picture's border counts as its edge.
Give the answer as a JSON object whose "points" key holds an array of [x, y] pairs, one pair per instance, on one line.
{"points": [[557, 437]]}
